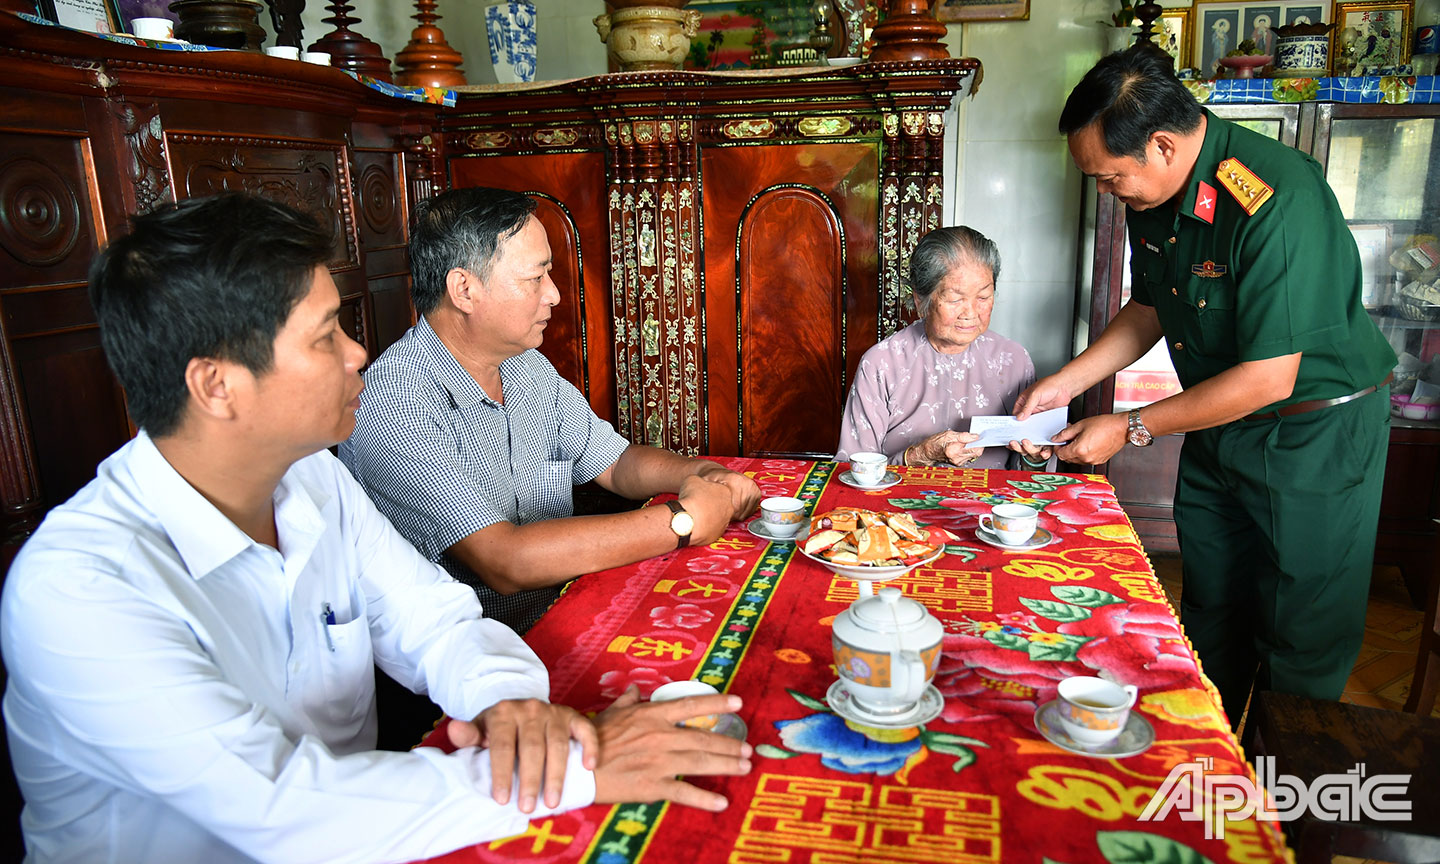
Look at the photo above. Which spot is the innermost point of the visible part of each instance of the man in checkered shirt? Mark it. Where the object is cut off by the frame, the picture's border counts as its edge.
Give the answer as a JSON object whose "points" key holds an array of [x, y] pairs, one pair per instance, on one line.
{"points": [[470, 442]]}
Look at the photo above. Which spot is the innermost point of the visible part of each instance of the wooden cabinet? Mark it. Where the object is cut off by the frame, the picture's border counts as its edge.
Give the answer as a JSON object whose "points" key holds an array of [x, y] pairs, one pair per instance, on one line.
{"points": [[1383, 161], [95, 131], [727, 246]]}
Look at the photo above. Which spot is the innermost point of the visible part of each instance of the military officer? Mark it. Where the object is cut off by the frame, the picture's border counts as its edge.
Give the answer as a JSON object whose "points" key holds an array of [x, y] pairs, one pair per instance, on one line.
{"points": [[1241, 261]]}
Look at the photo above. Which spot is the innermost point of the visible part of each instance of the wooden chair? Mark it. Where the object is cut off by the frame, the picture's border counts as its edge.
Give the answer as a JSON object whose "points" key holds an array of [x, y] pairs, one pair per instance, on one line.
{"points": [[1427, 664], [1312, 737]]}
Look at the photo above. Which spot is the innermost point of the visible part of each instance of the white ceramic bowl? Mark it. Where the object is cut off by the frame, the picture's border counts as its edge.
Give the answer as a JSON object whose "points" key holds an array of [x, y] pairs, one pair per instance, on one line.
{"points": [[866, 573]]}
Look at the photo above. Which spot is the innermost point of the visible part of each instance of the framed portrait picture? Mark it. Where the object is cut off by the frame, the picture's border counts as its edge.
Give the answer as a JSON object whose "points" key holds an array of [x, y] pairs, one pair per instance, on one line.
{"points": [[1172, 32], [1373, 241], [93, 16], [735, 34], [982, 10], [1219, 26], [132, 9], [1382, 31]]}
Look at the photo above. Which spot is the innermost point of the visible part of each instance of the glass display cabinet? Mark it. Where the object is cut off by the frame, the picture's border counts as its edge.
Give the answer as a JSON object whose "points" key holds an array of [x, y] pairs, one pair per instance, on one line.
{"points": [[1384, 166]]}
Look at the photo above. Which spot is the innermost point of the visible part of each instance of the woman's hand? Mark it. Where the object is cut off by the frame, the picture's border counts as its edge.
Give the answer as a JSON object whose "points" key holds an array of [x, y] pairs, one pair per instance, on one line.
{"points": [[948, 446], [1033, 454]]}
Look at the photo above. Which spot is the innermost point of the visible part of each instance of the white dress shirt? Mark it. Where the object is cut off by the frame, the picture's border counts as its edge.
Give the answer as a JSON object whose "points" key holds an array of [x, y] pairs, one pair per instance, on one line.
{"points": [[176, 694]]}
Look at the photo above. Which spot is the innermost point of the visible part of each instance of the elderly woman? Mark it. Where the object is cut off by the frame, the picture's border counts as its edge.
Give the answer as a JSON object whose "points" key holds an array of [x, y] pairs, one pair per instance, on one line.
{"points": [[917, 390]]}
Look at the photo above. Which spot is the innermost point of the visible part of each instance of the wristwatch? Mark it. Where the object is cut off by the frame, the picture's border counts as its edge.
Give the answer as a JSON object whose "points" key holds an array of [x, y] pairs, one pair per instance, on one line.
{"points": [[681, 523], [1138, 434]]}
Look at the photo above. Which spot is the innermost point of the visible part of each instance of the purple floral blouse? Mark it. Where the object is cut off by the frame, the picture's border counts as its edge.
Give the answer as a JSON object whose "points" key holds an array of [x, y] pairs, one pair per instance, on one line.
{"points": [[905, 391]]}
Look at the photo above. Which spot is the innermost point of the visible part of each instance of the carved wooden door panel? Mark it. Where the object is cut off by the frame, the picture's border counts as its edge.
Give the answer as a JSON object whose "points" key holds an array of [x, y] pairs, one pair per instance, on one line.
{"points": [[61, 411], [791, 300]]}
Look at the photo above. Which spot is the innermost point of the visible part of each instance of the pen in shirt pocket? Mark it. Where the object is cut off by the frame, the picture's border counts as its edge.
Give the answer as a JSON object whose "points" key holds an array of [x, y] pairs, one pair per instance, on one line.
{"points": [[327, 618]]}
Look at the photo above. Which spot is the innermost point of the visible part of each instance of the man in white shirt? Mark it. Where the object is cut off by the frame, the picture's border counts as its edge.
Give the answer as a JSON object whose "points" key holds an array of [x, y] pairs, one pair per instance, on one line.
{"points": [[190, 638]]}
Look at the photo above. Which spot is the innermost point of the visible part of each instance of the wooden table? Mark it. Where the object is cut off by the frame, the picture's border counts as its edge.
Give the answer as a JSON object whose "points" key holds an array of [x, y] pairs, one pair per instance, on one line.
{"points": [[979, 783]]}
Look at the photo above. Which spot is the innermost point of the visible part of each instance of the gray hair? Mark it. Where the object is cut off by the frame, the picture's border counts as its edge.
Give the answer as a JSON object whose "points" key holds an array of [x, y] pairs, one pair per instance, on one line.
{"points": [[943, 250]]}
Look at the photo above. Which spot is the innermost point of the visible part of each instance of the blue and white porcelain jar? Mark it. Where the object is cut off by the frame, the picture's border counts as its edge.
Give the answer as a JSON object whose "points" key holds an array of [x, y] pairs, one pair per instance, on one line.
{"points": [[511, 29], [1301, 56]]}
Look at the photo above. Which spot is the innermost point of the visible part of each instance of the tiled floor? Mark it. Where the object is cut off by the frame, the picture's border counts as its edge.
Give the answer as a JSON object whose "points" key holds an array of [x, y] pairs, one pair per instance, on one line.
{"points": [[1382, 673]]}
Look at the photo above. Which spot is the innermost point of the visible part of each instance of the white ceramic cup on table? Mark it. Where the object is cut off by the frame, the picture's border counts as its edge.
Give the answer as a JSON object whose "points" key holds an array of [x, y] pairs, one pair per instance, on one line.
{"points": [[782, 515], [319, 58], [284, 52], [1093, 711], [868, 468], [1012, 523], [161, 29]]}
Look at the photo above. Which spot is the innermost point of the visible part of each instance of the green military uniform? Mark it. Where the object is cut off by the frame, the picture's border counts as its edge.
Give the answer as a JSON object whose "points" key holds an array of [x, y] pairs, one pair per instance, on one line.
{"points": [[1276, 517]]}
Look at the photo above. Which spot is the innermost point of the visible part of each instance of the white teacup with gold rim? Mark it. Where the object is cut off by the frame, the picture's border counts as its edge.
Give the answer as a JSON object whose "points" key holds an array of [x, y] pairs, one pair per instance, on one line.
{"points": [[887, 648], [782, 515], [1093, 711]]}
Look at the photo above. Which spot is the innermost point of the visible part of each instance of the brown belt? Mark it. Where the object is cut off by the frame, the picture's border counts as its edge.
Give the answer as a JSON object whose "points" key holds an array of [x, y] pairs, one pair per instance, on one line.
{"points": [[1316, 404]]}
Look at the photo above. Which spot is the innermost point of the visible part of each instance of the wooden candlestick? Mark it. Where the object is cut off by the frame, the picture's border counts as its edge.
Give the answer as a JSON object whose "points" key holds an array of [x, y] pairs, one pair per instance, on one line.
{"points": [[349, 50], [428, 60], [909, 32], [1146, 13]]}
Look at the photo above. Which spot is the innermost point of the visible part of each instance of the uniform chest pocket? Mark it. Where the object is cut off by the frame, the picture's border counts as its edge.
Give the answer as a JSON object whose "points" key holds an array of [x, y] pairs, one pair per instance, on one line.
{"points": [[1210, 305]]}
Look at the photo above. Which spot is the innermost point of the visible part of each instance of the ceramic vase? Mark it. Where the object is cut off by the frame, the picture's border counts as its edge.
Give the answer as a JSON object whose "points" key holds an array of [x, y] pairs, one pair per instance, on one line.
{"points": [[511, 29], [648, 37], [1116, 38], [1302, 55]]}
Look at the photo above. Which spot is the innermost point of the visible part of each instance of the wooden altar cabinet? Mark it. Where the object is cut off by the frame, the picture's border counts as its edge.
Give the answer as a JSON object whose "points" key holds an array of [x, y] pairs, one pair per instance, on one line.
{"points": [[727, 245], [94, 131]]}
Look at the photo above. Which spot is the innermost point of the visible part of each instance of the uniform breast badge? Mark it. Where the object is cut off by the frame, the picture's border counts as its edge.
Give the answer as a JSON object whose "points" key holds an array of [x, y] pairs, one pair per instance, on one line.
{"points": [[1250, 191], [1208, 270]]}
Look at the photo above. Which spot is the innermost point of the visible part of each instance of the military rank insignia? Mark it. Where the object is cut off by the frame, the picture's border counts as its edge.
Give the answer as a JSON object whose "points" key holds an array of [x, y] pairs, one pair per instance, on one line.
{"points": [[1208, 270], [1250, 191]]}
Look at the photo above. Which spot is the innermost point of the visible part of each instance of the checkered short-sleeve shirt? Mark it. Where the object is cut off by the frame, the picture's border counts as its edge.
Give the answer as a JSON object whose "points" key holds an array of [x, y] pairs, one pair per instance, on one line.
{"points": [[442, 460]]}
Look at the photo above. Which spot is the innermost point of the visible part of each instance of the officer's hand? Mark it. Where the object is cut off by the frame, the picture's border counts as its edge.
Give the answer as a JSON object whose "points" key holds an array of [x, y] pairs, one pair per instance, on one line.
{"points": [[1047, 393], [1094, 439]]}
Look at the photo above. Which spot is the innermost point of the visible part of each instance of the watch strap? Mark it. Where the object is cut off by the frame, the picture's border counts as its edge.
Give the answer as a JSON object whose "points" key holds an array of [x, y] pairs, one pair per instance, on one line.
{"points": [[683, 540]]}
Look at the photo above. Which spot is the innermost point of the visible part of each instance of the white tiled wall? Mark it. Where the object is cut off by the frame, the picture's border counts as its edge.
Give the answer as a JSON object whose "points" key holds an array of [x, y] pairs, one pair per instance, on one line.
{"points": [[1015, 182]]}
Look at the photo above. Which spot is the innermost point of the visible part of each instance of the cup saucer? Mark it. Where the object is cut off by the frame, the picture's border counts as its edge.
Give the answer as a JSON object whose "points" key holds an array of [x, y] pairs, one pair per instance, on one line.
{"points": [[842, 703], [1041, 537], [759, 528], [1135, 738], [890, 479]]}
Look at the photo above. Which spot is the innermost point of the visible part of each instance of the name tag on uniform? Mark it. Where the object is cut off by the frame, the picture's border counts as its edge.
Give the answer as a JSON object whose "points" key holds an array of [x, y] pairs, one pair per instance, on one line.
{"points": [[1148, 245]]}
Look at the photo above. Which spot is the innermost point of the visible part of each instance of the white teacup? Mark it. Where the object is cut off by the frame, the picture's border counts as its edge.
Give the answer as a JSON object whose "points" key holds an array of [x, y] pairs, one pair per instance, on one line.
{"points": [[285, 52], [1012, 523], [868, 468], [1093, 711], [152, 28], [319, 58], [782, 515]]}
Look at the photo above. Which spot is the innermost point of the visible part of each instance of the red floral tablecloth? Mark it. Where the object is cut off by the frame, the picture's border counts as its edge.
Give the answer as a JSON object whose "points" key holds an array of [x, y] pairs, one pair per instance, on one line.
{"points": [[977, 784]]}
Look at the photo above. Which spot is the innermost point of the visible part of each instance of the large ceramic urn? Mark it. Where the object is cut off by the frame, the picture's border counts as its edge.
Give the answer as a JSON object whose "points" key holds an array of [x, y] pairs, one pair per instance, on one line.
{"points": [[887, 648], [648, 34]]}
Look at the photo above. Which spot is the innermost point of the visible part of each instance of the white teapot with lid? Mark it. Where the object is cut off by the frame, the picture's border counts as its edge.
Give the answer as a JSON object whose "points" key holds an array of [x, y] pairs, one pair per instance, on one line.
{"points": [[887, 648]]}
